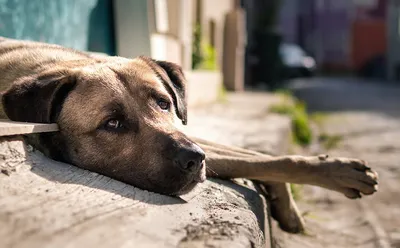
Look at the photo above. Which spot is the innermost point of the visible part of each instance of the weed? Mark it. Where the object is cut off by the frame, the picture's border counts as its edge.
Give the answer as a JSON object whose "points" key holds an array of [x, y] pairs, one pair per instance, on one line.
{"points": [[329, 141], [209, 58], [300, 120], [296, 191], [204, 56], [222, 94], [319, 118]]}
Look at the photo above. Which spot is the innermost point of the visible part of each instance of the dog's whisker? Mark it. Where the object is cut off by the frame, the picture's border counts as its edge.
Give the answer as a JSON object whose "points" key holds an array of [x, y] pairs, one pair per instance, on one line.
{"points": [[209, 169]]}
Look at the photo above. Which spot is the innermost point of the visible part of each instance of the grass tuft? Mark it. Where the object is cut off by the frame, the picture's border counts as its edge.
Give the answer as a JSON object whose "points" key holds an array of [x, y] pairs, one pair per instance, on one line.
{"points": [[300, 120], [296, 190], [222, 96], [319, 118], [329, 141]]}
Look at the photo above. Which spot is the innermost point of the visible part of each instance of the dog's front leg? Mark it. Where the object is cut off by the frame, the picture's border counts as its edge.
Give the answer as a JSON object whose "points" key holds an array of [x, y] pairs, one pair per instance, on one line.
{"points": [[348, 176], [282, 205]]}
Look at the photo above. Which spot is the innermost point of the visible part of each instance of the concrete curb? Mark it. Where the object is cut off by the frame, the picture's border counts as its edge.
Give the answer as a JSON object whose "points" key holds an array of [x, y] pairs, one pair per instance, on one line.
{"points": [[51, 204]]}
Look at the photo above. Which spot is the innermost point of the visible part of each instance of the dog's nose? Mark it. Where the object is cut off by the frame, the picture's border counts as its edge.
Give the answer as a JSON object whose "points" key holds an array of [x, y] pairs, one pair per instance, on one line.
{"points": [[190, 159]]}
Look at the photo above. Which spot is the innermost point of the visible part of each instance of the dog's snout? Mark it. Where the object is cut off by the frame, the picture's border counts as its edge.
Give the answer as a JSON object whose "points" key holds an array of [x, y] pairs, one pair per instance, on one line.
{"points": [[190, 159]]}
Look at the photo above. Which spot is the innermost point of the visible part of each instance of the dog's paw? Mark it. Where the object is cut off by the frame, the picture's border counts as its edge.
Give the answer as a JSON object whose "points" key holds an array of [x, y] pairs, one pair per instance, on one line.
{"points": [[352, 177]]}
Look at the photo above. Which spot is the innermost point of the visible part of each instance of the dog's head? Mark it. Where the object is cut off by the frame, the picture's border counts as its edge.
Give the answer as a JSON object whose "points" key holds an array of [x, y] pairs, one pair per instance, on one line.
{"points": [[115, 118]]}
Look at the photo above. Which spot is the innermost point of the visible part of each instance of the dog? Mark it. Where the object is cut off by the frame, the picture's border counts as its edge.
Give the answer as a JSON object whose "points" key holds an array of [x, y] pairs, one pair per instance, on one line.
{"points": [[117, 117]]}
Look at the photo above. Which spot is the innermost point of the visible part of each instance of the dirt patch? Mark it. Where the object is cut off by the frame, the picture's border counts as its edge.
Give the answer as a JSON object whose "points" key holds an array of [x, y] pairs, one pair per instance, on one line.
{"points": [[211, 229]]}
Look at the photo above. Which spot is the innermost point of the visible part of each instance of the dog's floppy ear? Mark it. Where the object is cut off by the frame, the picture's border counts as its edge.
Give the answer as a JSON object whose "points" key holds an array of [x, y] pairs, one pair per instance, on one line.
{"points": [[178, 84], [175, 84], [37, 99]]}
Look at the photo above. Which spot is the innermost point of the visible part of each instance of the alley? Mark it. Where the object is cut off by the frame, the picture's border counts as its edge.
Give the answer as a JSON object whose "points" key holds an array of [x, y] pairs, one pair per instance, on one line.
{"points": [[364, 119]]}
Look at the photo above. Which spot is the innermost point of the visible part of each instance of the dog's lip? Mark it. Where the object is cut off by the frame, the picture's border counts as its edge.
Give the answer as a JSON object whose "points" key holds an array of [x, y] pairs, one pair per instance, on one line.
{"points": [[187, 188], [201, 176], [195, 179]]}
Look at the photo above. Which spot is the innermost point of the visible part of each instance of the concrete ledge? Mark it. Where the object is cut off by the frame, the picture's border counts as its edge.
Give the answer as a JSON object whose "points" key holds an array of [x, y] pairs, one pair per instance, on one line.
{"points": [[50, 204]]}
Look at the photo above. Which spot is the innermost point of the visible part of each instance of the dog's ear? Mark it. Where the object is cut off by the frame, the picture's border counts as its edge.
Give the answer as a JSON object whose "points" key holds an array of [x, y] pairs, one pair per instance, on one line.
{"points": [[37, 99], [175, 84]]}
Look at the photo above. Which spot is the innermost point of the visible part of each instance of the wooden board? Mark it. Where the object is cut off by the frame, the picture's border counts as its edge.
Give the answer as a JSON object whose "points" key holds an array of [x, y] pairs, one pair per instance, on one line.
{"points": [[8, 128]]}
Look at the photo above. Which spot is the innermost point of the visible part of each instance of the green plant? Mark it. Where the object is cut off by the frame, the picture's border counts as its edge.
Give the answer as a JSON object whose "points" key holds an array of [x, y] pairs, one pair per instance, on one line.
{"points": [[301, 124], [197, 55], [329, 141], [283, 109], [296, 191], [204, 55], [319, 118], [292, 107], [283, 93], [222, 93], [209, 57]]}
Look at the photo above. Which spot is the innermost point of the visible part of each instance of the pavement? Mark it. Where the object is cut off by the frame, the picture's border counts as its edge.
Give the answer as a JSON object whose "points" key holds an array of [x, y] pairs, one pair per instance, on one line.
{"points": [[44, 203], [365, 116]]}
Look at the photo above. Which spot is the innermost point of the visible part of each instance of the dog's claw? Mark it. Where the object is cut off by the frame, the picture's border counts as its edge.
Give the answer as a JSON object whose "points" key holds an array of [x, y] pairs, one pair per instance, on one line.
{"points": [[352, 177]]}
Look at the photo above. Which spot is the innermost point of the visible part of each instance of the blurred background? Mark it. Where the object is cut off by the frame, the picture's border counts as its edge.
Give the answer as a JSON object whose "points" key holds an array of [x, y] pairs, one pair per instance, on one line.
{"points": [[250, 42], [333, 67]]}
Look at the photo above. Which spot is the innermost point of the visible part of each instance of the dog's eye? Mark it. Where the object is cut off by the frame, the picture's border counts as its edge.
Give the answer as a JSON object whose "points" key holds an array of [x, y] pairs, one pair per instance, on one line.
{"points": [[113, 124], [163, 104]]}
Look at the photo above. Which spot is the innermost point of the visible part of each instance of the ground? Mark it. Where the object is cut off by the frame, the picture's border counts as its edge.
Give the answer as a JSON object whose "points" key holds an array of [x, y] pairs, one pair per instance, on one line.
{"points": [[364, 120]]}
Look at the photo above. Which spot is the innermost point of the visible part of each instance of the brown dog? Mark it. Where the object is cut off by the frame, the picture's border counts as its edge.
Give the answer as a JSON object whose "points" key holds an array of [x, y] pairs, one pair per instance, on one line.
{"points": [[116, 117]]}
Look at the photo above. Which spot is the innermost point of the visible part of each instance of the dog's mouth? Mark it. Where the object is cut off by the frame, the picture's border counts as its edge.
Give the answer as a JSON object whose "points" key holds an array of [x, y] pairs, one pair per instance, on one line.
{"points": [[187, 188], [199, 177]]}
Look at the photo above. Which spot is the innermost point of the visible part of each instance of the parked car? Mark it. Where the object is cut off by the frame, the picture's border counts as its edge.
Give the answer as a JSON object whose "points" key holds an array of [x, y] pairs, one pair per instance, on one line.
{"points": [[296, 62]]}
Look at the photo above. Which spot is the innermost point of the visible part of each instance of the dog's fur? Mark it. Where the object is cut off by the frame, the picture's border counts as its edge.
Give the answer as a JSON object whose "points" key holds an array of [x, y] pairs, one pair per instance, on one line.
{"points": [[116, 117]]}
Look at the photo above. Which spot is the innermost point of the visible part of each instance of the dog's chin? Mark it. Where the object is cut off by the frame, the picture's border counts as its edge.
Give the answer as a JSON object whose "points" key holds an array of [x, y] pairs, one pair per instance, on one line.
{"points": [[192, 183], [186, 189]]}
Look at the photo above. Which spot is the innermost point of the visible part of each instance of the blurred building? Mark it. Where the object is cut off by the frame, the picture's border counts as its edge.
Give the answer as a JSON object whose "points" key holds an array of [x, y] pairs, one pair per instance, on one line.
{"points": [[343, 35], [83, 25], [162, 29], [393, 30]]}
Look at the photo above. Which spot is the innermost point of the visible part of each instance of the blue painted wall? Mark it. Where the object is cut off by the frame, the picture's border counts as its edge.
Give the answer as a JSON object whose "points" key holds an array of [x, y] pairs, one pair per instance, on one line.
{"points": [[80, 24]]}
